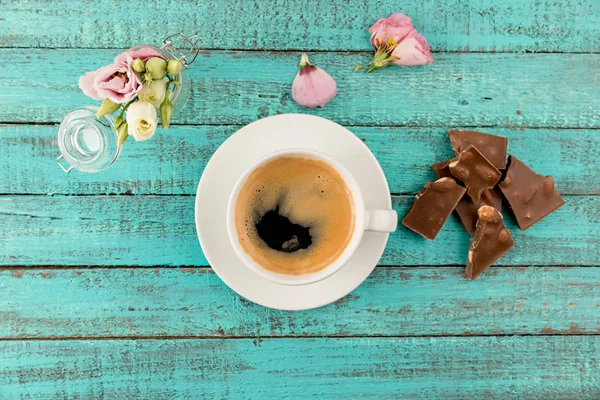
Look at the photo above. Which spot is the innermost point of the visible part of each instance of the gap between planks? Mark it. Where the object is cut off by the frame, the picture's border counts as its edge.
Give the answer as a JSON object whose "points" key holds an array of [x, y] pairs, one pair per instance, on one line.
{"points": [[246, 337], [296, 50], [403, 194], [357, 125], [185, 268]]}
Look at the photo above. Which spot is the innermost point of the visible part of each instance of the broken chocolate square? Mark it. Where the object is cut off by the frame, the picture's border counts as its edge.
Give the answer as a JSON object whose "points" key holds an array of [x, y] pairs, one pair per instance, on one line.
{"points": [[530, 196], [491, 241], [492, 147], [466, 209], [432, 207], [441, 169], [475, 171]]}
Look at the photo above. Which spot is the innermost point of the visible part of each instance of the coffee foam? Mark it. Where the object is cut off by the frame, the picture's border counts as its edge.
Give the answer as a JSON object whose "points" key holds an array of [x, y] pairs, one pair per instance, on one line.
{"points": [[309, 192]]}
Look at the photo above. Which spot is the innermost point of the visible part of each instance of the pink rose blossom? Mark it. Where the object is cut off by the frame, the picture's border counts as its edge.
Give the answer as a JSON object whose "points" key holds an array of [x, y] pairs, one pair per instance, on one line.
{"points": [[312, 87], [396, 41], [116, 82], [413, 50], [397, 26]]}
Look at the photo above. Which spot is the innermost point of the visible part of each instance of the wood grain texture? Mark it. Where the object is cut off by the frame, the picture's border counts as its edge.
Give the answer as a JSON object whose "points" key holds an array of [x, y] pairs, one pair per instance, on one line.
{"points": [[173, 161], [449, 25], [391, 302], [509, 90], [384, 368], [160, 230]]}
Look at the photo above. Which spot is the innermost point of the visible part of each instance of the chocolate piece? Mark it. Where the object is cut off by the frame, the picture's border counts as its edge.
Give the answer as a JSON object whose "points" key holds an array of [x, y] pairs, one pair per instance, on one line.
{"points": [[432, 207], [441, 169], [491, 241], [492, 147], [466, 209], [530, 196], [475, 171]]}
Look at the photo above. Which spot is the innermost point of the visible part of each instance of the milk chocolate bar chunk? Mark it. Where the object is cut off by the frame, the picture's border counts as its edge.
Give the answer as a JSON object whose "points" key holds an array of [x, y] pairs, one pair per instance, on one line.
{"points": [[441, 169], [530, 196], [432, 207], [492, 147], [475, 171], [467, 210], [491, 241]]}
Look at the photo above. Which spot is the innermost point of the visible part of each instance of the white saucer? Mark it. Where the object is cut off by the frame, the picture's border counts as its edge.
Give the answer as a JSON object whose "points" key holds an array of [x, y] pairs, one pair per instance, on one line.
{"points": [[244, 148]]}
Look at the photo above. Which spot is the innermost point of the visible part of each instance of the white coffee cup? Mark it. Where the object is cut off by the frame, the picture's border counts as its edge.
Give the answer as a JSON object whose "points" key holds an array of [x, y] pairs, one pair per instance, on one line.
{"points": [[365, 220]]}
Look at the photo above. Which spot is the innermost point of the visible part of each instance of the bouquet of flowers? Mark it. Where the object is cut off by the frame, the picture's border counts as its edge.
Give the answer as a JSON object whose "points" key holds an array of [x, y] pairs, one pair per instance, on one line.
{"points": [[136, 84]]}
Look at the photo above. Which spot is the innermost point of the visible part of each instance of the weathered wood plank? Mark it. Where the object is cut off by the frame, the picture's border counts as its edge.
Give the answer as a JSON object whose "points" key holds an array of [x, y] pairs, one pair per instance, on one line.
{"points": [[392, 302], [174, 161], [387, 368], [529, 90], [160, 230], [449, 25]]}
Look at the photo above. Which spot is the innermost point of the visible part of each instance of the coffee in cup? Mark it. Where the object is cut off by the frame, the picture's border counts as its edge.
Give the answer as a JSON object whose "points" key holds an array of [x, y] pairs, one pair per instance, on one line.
{"points": [[294, 215]]}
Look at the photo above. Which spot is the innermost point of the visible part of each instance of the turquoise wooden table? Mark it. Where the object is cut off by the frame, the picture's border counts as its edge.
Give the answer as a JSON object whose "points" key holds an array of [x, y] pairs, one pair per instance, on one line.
{"points": [[105, 292]]}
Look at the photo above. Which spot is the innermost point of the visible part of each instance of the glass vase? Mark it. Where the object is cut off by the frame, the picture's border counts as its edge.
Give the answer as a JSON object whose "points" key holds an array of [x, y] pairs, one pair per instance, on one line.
{"points": [[87, 143]]}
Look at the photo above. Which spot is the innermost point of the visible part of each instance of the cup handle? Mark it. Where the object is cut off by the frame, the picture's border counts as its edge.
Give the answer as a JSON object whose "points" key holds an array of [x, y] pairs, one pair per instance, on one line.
{"points": [[381, 220]]}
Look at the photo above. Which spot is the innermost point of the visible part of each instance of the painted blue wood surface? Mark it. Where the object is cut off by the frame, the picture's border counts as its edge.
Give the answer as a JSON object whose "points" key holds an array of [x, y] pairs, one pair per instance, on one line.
{"points": [[459, 89], [555, 367], [160, 230], [96, 270], [449, 25], [191, 302], [174, 161]]}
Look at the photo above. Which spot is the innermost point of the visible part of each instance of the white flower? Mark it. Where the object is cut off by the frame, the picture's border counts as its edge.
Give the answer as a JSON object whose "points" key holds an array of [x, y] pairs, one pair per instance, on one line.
{"points": [[141, 120], [154, 92]]}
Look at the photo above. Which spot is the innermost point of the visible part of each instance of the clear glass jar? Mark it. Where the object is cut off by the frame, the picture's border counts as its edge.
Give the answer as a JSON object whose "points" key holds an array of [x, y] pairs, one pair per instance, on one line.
{"points": [[87, 143]]}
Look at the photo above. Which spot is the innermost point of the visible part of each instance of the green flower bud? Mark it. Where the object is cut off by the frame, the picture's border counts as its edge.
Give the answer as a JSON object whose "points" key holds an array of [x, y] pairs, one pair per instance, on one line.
{"points": [[166, 112], [157, 67], [107, 107], [123, 134], [147, 78], [138, 66], [174, 67]]}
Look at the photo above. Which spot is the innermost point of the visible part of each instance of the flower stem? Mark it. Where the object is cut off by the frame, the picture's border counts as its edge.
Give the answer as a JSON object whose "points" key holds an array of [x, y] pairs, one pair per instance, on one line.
{"points": [[128, 104], [304, 61], [167, 91], [380, 60], [124, 108]]}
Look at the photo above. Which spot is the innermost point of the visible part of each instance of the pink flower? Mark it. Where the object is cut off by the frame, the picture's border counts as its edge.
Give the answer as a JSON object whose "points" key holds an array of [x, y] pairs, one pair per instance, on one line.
{"points": [[116, 82], [397, 26], [413, 50], [396, 41], [312, 87]]}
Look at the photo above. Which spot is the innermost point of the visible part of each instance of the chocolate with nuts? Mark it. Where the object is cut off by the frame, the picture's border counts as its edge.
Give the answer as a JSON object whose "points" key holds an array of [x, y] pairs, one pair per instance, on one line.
{"points": [[492, 147], [466, 209], [475, 171], [491, 241], [432, 207], [530, 196]]}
